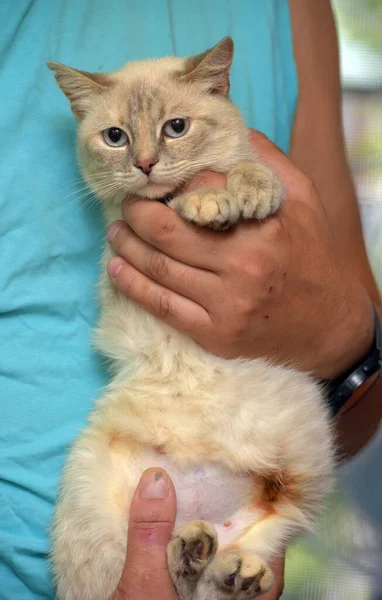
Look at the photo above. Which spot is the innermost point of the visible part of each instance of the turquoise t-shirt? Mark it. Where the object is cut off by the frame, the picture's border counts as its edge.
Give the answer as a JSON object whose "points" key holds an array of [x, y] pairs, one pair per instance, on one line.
{"points": [[51, 242]]}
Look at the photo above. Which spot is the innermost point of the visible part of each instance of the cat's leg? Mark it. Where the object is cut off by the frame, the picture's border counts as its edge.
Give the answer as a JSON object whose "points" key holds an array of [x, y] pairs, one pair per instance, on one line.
{"points": [[237, 572], [271, 534], [287, 506], [252, 191], [241, 572], [189, 553], [89, 534]]}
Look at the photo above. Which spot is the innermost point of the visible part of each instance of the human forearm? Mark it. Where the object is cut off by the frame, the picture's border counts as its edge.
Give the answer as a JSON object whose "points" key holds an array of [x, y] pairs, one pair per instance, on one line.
{"points": [[317, 146], [318, 150]]}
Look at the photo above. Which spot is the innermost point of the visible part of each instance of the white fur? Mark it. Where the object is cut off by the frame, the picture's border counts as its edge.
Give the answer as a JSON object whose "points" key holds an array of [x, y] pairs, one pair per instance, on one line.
{"points": [[168, 392]]}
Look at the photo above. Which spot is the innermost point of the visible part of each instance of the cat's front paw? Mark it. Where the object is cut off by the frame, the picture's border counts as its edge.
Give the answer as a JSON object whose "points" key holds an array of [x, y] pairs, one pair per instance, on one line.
{"points": [[257, 190], [236, 575], [214, 208], [192, 549]]}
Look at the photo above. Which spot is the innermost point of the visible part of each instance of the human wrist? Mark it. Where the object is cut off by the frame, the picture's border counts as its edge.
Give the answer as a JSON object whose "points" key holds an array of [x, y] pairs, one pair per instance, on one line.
{"points": [[359, 421], [346, 390], [350, 337]]}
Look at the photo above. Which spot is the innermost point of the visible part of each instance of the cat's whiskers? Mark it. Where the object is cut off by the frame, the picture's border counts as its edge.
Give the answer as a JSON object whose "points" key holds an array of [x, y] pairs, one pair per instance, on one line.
{"points": [[164, 171], [91, 201], [81, 178], [94, 195], [77, 191], [105, 187], [89, 195], [86, 199], [174, 167], [83, 188], [112, 189], [187, 168], [205, 163]]}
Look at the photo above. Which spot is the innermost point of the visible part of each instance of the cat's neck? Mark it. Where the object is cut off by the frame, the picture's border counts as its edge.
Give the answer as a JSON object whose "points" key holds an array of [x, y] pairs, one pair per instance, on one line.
{"points": [[111, 212]]}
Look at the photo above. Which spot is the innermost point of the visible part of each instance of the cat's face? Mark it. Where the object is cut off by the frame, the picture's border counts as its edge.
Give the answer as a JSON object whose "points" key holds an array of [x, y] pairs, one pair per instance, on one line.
{"points": [[148, 128]]}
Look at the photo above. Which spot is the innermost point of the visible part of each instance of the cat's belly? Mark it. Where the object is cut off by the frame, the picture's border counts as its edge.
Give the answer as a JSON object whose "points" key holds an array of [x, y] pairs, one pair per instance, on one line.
{"points": [[209, 492]]}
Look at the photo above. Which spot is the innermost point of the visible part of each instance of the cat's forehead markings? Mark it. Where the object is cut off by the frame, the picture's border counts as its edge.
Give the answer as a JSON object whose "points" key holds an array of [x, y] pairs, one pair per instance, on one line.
{"points": [[161, 111], [144, 104], [141, 101]]}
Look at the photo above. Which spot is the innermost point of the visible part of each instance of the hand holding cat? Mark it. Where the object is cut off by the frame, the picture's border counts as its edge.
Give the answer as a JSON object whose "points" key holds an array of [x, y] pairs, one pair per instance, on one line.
{"points": [[152, 518], [277, 288]]}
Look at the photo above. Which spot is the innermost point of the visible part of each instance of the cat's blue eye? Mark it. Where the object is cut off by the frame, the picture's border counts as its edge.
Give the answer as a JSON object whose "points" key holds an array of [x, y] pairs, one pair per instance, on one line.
{"points": [[176, 127], [114, 136]]}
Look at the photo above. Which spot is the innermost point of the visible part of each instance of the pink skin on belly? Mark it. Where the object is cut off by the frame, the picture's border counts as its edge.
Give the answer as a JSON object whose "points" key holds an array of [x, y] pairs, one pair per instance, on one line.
{"points": [[208, 492]]}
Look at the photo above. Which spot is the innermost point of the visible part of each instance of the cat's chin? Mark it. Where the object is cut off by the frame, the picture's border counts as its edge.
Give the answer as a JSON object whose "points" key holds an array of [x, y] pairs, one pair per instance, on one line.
{"points": [[156, 191]]}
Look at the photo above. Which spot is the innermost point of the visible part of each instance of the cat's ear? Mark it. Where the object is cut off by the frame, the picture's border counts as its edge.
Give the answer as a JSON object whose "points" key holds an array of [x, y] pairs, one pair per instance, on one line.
{"points": [[78, 86], [212, 67]]}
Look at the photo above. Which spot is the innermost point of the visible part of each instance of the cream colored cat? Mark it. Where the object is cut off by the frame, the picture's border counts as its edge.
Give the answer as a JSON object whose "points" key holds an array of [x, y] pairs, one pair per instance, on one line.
{"points": [[247, 443]]}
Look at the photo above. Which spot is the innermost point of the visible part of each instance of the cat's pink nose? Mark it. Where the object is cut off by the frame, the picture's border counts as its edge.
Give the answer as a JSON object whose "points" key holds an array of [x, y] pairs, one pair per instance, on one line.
{"points": [[146, 165]]}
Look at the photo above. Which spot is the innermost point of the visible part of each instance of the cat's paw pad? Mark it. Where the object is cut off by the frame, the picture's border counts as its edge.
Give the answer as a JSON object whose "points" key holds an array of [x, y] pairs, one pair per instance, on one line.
{"points": [[257, 190], [213, 208], [240, 576], [192, 549]]}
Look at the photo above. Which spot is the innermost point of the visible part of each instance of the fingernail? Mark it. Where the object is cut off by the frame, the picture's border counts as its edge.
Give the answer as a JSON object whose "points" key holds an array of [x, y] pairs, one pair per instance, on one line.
{"points": [[154, 484], [114, 266], [113, 230]]}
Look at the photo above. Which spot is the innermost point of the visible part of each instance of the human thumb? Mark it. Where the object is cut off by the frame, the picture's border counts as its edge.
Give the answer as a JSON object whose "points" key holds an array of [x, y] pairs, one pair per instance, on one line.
{"points": [[152, 518]]}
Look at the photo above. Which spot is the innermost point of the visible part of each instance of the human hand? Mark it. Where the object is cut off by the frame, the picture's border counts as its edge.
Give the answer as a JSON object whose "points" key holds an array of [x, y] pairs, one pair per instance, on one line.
{"points": [[278, 288], [152, 518], [277, 565]]}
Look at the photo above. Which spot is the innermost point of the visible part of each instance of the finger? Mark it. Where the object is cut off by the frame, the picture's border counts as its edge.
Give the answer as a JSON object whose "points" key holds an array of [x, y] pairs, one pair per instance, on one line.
{"points": [[164, 229], [168, 306], [190, 282], [277, 565], [152, 518]]}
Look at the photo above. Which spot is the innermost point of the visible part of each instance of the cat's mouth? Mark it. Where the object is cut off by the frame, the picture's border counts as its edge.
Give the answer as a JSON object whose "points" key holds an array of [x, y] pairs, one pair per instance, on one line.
{"points": [[156, 191]]}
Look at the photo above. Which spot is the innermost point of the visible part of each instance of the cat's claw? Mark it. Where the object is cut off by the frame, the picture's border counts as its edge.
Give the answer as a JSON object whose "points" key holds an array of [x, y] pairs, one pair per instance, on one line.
{"points": [[235, 575], [256, 189], [213, 208], [192, 549]]}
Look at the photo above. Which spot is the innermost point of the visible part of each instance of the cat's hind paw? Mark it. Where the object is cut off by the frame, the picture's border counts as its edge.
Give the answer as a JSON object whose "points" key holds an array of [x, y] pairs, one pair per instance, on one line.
{"points": [[236, 575], [192, 549]]}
